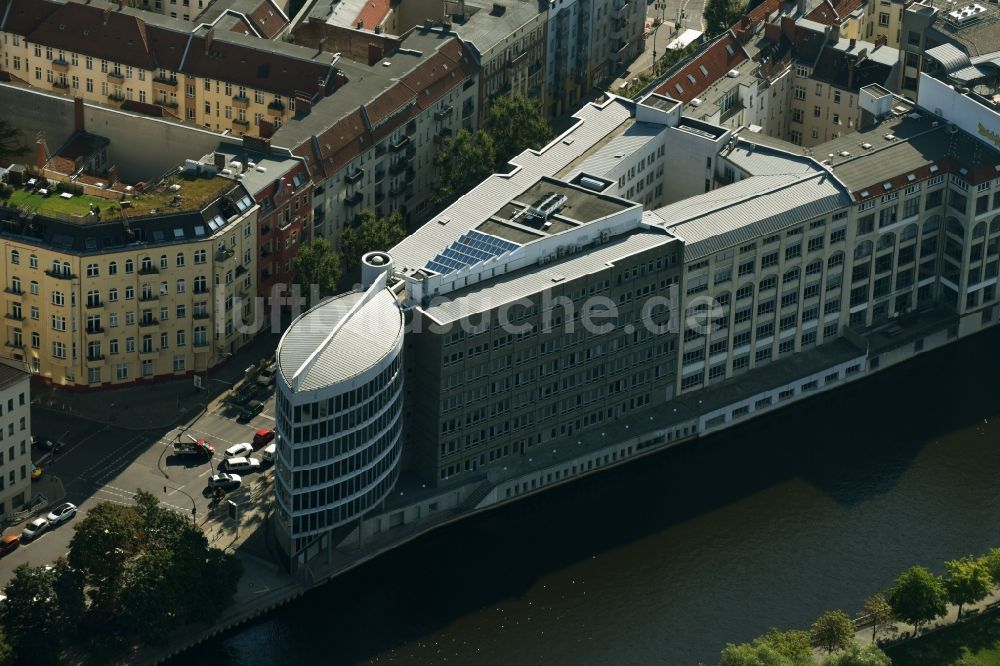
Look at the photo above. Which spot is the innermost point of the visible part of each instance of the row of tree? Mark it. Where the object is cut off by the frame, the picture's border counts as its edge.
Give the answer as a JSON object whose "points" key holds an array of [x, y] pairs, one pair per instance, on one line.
{"points": [[917, 596], [133, 574]]}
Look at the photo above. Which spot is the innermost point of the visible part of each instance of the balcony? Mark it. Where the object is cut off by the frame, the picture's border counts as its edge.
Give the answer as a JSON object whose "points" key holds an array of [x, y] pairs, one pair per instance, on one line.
{"points": [[13, 317], [59, 275], [95, 358], [399, 144], [397, 190], [240, 124], [60, 86], [355, 177], [379, 196], [442, 135], [16, 291], [60, 65], [534, 68], [276, 109], [200, 290], [467, 110], [240, 102], [116, 97], [410, 176], [146, 298], [353, 200], [148, 352], [15, 344], [379, 175], [410, 152], [240, 270], [95, 330], [224, 253], [380, 150], [116, 77], [202, 344], [146, 322], [198, 314], [444, 113], [149, 270], [398, 167], [165, 82]]}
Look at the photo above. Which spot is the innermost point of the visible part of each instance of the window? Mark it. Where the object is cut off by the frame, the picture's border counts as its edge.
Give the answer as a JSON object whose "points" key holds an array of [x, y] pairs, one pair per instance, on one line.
{"points": [[200, 256], [129, 266], [93, 270], [33, 261], [15, 257], [180, 259], [57, 297], [883, 19], [797, 115]]}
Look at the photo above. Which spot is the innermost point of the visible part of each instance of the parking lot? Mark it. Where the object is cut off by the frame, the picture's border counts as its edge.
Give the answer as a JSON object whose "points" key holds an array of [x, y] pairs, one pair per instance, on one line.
{"points": [[102, 463]]}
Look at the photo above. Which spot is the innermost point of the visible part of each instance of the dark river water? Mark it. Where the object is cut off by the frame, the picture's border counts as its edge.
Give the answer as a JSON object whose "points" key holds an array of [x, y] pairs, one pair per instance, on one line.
{"points": [[667, 559]]}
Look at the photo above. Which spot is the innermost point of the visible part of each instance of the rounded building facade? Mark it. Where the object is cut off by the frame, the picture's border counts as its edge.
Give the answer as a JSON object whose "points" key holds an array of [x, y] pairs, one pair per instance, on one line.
{"points": [[339, 404]]}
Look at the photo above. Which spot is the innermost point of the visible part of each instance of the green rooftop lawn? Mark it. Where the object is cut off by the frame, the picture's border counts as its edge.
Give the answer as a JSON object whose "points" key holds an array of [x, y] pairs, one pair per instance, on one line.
{"points": [[974, 642], [195, 194], [56, 206]]}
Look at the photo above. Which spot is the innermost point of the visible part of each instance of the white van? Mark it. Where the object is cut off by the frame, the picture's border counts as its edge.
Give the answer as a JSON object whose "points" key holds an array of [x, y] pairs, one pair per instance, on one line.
{"points": [[242, 465], [268, 453]]}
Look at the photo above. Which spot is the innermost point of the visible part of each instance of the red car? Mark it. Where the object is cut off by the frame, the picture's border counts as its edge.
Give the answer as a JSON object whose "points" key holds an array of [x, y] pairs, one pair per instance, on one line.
{"points": [[262, 438], [9, 543]]}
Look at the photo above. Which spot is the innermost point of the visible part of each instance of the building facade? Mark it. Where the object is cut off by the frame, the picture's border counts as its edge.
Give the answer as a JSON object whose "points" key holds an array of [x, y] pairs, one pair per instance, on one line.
{"points": [[15, 446]]}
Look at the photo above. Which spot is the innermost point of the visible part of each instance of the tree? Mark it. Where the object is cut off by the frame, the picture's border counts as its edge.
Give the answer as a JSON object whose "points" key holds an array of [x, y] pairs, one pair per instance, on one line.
{"points": [[833, 630], [917, 596], [967, 581], [317, 264], [517, 123], [67, 583], [102, 546], [463, 161], [720, 15], [775, 648], [855, 655], [992, 562], [373, 233], [30, 616], [12, 142], [877, 608]]}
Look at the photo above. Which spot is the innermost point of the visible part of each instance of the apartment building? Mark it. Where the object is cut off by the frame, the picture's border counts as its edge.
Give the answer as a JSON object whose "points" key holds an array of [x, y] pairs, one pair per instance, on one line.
{"points": [[280, 185], [863, 20], [110, 54], [15, 440], [971, 30], [375, 148], [785, 274], [156, 285], [266, 19]]}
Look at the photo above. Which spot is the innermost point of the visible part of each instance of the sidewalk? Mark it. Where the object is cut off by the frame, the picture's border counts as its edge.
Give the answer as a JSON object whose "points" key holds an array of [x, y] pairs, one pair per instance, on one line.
{"points": [[160, 403]]}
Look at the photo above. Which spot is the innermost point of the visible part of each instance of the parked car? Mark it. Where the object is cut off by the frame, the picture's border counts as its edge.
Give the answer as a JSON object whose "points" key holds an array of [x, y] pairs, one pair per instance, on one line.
{"points": [[265, 377], [225, 481], [242, 465], [47, 444], [36, 472], [250, 410], [34, 529], [240, 450], [9, 543], [61, 513], [262, 437], [267, 455]]}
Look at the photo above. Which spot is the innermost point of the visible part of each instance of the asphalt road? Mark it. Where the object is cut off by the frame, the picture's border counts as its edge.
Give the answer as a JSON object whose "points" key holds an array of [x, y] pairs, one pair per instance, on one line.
{"points": [[102, 463]]}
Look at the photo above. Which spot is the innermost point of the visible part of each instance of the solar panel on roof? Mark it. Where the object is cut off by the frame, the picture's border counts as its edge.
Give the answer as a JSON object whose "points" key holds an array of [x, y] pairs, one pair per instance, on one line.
{"points": [[471, 248]]}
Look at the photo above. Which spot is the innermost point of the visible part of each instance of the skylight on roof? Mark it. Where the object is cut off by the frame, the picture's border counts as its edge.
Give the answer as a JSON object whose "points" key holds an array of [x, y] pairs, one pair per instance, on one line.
{"points": [[178, 233], [730, 51], [199, 230]]}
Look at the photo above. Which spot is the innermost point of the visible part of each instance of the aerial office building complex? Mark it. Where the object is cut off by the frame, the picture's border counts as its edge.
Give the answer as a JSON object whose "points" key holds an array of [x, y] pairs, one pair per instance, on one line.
{"points": [[597, 289]]}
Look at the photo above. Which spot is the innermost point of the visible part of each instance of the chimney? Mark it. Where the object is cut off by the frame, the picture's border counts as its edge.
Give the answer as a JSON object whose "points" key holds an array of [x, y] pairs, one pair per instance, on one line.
{"points": [[107, 13], [854, 43], [322, 43], [208, 40], [219, 160], [256, 144], [41, 153], [303, 105], [265, 129], [78, 121], [361, 24]]}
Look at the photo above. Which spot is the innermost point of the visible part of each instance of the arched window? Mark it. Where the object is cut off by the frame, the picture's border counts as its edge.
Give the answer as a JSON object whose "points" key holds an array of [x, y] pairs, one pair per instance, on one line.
{"points": [[908, 232], [163, 261], [791, 275], [815, 267], [129, 266], [835, 260], [863, 250], [770, 282], [93, 270], [886, 241], [745, 291], [33, 261], [995, 225], [932, 224], [979, 230], [113, 268], [15, 257], [180, 259], [147, 265]]}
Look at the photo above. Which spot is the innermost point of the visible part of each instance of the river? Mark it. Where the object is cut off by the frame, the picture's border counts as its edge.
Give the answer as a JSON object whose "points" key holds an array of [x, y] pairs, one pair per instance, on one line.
{"points": [[668, 558]]}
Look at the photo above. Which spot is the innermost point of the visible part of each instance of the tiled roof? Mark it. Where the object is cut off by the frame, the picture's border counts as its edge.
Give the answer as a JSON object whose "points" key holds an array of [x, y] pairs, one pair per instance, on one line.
{"points": [[372, 13], [824, 13], [104, 34], [167, 46], [704, 69], [241, 26], [21, 16]]}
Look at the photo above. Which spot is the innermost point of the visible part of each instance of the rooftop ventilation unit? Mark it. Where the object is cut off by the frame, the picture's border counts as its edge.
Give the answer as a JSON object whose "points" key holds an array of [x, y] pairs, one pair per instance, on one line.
{"points": [[547, 206], [866, 145]]}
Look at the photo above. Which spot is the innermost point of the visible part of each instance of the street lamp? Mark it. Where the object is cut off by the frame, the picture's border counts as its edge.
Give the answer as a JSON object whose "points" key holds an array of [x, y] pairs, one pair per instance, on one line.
{"points": [[194, 507]]}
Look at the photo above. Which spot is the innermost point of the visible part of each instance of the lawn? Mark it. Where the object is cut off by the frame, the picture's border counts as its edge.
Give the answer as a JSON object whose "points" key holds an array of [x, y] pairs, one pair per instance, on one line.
{"points": [[975, 642], [195, 193], [56, 206]]}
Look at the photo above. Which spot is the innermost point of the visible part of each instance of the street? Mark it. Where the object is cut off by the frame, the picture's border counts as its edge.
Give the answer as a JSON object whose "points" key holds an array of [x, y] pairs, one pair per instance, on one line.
{"points": [[102, 463], [669, 13]]}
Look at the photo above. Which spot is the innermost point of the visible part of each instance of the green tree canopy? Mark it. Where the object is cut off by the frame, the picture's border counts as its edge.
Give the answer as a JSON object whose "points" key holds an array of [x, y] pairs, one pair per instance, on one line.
{"points": [[917, 596], [103, 544], [720, 15], [855, 655], [992, 562], [317, 264], [517, 123], [30, 616], [966, 581], [463, 161], [879, 611], [833, 630], [373, 233], [12, 143], [775, 648]]}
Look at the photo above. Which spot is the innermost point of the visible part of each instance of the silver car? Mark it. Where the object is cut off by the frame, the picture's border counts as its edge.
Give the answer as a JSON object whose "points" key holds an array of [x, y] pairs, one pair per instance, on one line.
{"points": [[34, 529], [61, 513]]}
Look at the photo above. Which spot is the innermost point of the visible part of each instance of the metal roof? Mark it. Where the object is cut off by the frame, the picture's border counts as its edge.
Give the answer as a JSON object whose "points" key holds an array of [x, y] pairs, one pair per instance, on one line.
{"points": [[950, 57], [594, 122], [750, 209], [760, 160], [609, 156], [483, 296], [340, 338]]}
